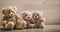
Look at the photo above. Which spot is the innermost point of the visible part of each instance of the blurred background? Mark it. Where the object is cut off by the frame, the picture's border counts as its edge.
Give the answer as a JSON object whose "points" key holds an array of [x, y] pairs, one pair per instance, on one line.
{"points": [[51, 8]]}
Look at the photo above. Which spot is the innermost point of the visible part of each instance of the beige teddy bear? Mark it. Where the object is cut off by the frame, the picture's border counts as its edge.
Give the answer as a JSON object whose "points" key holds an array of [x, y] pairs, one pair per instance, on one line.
{"points": [[10, 18], [26, 16], [38, 19]]}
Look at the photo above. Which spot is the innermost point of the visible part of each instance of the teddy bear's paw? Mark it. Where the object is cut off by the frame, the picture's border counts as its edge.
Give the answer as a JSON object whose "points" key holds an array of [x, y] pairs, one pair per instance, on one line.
{"points": [[19, 26], [10, 25], [3, 23]]}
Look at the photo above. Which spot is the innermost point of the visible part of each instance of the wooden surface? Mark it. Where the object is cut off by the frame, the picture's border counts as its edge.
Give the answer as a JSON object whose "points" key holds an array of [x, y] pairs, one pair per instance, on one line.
{"points": [[48, 28]]}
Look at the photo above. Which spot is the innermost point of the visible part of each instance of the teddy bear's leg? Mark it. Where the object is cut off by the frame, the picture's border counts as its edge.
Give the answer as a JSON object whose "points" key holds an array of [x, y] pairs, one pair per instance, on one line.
{"points": [[3, 23], [29, 25], [19, 25], [9, 25], [25, 24], [32, 26]]}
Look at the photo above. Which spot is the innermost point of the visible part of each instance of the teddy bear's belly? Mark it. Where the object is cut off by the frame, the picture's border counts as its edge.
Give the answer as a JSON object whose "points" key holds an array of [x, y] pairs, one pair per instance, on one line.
{"points": [[11, 20]]}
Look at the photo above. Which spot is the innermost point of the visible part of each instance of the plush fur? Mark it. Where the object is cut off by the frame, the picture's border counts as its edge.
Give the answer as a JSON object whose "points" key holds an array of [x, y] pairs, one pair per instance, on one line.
{"points": [[11, 19], [38, 19], [8, 20], [26, 16], [20, 24]]}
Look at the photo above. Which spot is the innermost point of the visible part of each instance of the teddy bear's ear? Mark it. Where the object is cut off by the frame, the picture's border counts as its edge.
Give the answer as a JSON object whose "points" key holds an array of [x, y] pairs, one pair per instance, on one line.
{"points": [[23, 12], [3, 10], [14, 7], [39, 12]]}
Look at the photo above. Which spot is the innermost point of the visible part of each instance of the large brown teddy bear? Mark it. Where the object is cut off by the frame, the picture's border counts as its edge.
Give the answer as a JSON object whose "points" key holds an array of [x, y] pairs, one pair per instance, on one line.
{"points": [[11, 19], [38, 19]]}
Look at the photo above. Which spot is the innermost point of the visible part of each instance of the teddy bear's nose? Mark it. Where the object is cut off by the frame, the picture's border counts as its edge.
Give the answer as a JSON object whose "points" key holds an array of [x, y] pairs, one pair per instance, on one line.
{"points": [[35, 16], [11, 14], [28, 17]]}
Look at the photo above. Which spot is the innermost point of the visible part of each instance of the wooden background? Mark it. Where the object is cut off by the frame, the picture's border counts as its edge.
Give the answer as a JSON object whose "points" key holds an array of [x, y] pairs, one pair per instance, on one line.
{"points": [[51, 8]]}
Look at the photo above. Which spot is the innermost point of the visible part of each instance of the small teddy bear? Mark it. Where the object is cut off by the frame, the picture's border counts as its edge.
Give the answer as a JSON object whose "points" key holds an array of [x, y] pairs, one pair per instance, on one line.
{"points": [[11, 19], [38, 19], [26, 16]]}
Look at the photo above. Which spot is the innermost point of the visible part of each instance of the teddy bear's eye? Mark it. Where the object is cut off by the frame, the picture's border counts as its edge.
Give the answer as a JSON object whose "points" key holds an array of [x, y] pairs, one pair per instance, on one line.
{"points": [[8, 11], [37, 14], [25, 15], [12, 11]]}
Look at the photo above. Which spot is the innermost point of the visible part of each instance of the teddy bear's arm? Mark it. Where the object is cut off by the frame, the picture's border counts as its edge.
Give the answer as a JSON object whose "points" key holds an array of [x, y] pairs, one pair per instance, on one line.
{"points": [[17, 16], [3, 21], [41, 20], [44, 20], [18, 19]]}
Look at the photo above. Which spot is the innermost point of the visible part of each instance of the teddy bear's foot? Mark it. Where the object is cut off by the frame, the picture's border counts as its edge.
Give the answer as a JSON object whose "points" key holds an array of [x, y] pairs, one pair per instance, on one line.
{"points": [[41, 26], [10, 25], [31, 26], [19, 27]]}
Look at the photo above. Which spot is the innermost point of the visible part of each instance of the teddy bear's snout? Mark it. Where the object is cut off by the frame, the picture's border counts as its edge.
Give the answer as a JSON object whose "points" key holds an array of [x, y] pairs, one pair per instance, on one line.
{"points": [[35, 16], [11, 14], [28, 17]]}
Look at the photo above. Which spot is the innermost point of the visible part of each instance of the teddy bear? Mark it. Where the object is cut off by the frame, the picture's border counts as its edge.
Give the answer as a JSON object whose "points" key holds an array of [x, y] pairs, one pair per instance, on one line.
{"points": [[38, 19], [8, 21], [11, 19], [26, 16]]}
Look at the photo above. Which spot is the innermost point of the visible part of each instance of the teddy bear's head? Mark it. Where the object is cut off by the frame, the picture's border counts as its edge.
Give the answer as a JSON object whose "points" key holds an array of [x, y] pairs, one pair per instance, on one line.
{"points": [[37, 15], [9, 11], [25, 15]]}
